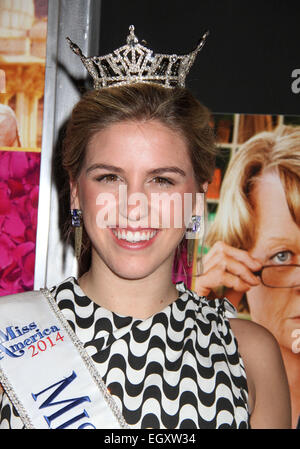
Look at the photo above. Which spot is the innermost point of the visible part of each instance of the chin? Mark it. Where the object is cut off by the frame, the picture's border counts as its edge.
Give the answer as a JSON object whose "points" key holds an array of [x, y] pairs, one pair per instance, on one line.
{"points": [[132, 274], [134, 268], [135, 265]]}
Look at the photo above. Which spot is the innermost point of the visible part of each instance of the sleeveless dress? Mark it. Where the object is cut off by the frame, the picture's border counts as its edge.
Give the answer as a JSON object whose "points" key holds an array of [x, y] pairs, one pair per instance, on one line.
{"points": [[178, 369]]}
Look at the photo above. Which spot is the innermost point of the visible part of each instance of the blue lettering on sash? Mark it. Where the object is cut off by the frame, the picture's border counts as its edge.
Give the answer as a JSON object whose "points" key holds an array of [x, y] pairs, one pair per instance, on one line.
{"points": [[72, 402], [14, 332], [9, 335], [10, 353]]}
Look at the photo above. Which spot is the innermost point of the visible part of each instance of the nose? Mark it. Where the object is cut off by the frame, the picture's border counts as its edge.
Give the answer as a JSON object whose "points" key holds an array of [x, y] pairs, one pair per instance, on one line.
{"points": [[133, 207]]}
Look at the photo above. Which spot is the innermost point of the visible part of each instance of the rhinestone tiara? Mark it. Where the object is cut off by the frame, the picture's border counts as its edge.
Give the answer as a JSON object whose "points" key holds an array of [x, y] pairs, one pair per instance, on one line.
{"points": [[135, 63]]}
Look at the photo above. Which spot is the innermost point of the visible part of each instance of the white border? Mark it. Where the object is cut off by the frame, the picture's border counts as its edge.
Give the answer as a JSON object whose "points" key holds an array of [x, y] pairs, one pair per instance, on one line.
{"points": [[81, 21]]}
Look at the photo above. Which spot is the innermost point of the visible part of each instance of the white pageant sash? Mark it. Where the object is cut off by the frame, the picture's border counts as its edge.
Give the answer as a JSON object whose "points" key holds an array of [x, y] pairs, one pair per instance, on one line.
{"points": [[45, 370]]}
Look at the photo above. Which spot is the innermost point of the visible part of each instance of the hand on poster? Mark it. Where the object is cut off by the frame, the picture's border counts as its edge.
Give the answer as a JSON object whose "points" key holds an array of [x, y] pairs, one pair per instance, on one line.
{"points": [[229, 267]]}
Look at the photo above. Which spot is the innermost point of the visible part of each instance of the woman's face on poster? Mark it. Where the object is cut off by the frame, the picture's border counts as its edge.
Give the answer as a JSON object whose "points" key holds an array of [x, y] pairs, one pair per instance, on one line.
{"points": [[277, 242]]}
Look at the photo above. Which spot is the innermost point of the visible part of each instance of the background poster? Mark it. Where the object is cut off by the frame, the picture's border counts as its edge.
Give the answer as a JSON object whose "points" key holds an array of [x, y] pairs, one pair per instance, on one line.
{"points": [[23, 29], [273, 224]]}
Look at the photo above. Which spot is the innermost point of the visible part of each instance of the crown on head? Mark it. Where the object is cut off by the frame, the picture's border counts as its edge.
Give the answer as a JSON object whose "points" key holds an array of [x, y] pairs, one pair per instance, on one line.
{"points": [[135, 63]]}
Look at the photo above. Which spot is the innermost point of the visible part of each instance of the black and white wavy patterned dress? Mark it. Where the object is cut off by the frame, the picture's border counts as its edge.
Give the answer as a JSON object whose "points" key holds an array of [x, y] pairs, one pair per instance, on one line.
{"points": [[178, 369]]}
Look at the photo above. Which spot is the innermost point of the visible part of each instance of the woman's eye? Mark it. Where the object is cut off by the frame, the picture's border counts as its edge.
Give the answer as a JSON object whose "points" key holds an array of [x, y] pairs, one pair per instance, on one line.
{"points": [[282, 257], [107, 178], [162, 181]]}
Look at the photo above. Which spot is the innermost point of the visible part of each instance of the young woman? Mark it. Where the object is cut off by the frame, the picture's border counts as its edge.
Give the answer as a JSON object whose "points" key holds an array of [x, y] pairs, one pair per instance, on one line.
{"points": [[169, 358]]}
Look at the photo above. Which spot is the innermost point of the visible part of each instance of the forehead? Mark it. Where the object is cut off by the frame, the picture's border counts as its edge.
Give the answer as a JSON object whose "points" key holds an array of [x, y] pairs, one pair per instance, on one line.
{"points": [[138, 143], [273, 220]]}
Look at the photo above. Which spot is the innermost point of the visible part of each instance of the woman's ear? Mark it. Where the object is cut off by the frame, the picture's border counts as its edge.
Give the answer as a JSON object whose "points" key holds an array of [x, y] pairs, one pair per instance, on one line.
{"points": [[199, 205], [74, 200]]}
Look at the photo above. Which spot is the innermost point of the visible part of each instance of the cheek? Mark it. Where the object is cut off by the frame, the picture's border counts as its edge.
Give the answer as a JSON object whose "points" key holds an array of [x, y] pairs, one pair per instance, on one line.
{"points": [[260, 302], [169, 211], [267, 305], [99, 208], [172, 212], [87, 194]]}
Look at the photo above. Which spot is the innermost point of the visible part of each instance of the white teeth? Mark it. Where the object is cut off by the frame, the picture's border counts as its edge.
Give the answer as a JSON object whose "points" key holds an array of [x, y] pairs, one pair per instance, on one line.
{"points": [[134, 237]]}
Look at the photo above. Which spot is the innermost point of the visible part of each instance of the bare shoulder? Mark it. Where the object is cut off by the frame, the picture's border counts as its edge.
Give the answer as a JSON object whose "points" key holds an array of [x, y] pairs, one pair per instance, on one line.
{"points": [[256, 344], [269, 397], [249, 334]]}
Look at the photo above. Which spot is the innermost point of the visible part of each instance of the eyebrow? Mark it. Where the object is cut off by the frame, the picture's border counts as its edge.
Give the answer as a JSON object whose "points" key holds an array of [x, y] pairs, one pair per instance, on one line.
{"points": [[279, 240], [104, 167], [155, 171]]}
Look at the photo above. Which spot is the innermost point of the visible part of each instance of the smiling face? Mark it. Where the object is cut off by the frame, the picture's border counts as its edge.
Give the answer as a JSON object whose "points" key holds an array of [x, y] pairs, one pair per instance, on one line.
{"points": [[277, 242], [144, 159]]}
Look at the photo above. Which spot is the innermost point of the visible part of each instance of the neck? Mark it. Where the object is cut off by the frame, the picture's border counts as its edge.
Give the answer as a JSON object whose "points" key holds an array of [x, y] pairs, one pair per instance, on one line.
{"points": [[138, 298]]}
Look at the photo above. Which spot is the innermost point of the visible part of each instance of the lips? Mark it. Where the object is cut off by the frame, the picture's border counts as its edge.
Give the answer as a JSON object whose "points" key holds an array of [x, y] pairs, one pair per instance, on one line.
{"points": [[134, 238]]}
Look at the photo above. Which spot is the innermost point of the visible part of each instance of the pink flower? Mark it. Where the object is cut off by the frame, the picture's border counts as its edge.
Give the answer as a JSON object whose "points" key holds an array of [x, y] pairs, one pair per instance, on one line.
{"points": [[14, 226], [10, 279], [5, 204], [34, 197], [28, 270], [18, 166], [21, 251], [18, 275], [4, 164], [16, 188], [6, 250], [30, 234], [19, 178], [24, 255]]}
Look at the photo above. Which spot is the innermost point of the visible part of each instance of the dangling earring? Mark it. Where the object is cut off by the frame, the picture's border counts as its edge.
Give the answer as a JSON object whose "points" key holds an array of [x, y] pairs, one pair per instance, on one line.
{"points": [[196, 228], [76, 215], [194, 231]]}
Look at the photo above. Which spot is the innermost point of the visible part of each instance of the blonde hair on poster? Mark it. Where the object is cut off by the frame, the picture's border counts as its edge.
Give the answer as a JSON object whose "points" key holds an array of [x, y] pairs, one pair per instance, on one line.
{"points": [[278, 150]]}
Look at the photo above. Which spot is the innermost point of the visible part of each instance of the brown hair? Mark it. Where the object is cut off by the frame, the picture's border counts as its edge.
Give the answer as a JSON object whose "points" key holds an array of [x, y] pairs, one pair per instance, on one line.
{"points": [[176, 108]]}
